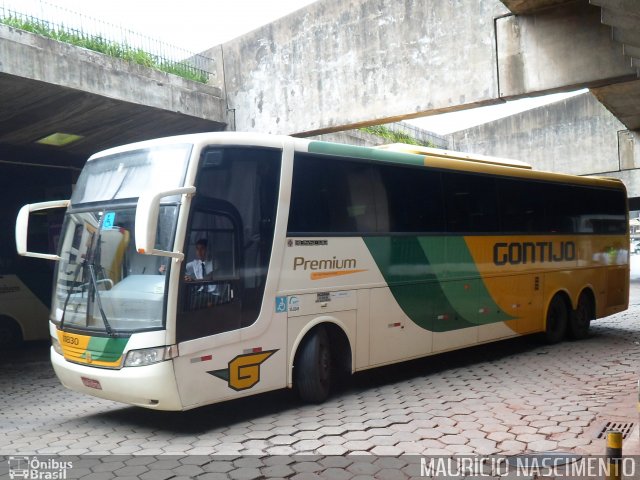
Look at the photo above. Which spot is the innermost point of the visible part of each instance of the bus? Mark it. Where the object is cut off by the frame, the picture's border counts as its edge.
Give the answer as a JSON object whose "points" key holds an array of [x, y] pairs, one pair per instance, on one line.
{"points": [[315, 260]]}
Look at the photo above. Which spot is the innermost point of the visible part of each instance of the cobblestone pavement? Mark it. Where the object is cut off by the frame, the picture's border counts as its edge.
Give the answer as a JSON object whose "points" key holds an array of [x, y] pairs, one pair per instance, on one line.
{"points": [[508, 398]]}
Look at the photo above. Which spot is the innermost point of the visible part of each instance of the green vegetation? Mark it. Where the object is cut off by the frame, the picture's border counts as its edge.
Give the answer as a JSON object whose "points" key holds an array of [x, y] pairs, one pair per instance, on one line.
{"points": [[395, 137], [107, 47]]}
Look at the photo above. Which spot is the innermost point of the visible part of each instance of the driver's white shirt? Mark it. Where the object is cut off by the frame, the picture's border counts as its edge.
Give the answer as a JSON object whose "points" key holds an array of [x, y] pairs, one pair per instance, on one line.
{"points": [[194, 269]]}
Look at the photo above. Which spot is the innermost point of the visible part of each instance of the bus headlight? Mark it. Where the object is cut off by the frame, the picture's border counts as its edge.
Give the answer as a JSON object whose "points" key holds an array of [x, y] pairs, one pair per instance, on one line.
{"points": [[148, 356], [56, 346]]}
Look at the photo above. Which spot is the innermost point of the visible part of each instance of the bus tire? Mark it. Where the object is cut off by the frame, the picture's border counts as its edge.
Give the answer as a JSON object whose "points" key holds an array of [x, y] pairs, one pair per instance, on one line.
{"points": [[557, 320], [10, 333], [313, 368], [581, 317]]}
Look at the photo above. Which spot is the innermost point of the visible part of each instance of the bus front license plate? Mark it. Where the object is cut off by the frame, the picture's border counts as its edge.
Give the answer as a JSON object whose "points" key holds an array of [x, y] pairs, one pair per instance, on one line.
{"points": [[91, 383]]}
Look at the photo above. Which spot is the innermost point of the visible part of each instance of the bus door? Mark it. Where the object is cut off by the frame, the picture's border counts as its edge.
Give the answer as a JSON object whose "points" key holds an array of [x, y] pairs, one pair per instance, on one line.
{"points": [[230, 230]]}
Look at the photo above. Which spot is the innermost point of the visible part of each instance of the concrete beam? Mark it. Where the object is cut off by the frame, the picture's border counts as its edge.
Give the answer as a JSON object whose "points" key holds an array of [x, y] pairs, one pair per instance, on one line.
{"points": [[623, 100], [377, 61], [628, 5], [338, 64], [620, 18], [558, 49], [523, 7]]}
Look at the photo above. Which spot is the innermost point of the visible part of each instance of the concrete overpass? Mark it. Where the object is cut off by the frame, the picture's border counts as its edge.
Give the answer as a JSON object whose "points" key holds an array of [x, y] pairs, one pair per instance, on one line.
{"points": [[336, 65], [48, 87]]}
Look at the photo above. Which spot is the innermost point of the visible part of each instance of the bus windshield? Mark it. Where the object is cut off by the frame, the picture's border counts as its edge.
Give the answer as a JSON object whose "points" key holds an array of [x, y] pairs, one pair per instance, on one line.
{"points": [[125, 175], [102, 283]]}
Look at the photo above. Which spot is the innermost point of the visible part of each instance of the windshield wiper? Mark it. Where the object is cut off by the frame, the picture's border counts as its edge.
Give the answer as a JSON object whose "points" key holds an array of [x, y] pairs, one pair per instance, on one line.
{"points": [[71, 290], [92, 252], [94, 282]]}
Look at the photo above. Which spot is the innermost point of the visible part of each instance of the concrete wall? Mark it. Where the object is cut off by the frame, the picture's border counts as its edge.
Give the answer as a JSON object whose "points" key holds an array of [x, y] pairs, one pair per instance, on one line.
{"points": [[577, 136]]}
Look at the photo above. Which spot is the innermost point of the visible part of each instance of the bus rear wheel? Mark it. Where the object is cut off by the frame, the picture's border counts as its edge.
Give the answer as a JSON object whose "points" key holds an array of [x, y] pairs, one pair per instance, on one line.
{"points": [[557, 320], [10, 333], [581, 317], [313, 367]]}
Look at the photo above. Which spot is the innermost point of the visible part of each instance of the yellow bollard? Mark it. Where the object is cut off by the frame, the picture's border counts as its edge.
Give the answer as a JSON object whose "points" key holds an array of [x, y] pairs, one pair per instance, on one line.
{"points": [[614, 455]]}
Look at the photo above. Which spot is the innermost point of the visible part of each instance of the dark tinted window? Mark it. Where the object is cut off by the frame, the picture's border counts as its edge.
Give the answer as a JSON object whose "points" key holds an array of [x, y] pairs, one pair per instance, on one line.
{"points": [[522, 207], [331, 196], [599, 210], [414, 200], [539, 207], [340, 196], [470, 202]]}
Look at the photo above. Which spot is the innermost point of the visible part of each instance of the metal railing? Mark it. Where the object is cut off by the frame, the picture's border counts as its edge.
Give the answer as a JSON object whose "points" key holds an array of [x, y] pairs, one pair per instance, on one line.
{"points": [[75, 28]]}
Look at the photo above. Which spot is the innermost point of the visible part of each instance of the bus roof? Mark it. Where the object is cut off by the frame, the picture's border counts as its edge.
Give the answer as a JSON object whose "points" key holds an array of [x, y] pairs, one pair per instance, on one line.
{"points": [[441, 153], [393, 153], [449, 160]]}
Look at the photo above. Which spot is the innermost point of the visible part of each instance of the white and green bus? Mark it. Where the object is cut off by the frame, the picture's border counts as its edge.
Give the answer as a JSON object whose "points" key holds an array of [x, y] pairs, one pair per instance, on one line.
{"points": [[201, 268]]}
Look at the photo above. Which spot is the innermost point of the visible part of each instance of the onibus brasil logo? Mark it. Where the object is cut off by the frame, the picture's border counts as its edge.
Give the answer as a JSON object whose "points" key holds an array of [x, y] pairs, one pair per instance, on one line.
{"points": [[34, 468]]}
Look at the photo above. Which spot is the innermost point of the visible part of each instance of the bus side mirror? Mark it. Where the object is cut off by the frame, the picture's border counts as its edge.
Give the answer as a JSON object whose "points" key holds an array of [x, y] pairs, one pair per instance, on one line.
{"points": [[147, 213], [22, 227]]}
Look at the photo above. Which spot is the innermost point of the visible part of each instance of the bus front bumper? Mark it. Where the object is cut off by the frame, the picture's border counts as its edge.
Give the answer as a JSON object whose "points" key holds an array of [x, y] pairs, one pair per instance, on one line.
{"points": [[152, 386]]}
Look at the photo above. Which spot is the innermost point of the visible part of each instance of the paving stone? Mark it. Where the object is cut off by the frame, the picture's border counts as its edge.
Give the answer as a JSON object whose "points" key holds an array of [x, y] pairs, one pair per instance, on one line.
{"points": [[336, 474], [307, 445], [512, 446], [542, 446], [245, 473], [453, 440], [358, 445], [332, 450], [308, 435], [494, 427], [333, 440], [573, 442], [283, 440], [274, 471], [519, 429], [307, 466], [530, 437]]}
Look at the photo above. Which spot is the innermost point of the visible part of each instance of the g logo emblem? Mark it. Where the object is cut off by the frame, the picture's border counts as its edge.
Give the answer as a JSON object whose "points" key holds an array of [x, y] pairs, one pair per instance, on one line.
{"points": [[244, 370]]}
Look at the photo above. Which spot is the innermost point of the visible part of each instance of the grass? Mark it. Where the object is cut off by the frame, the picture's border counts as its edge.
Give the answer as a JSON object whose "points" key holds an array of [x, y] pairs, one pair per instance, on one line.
{"points": [[99, 44], [395, 137]]}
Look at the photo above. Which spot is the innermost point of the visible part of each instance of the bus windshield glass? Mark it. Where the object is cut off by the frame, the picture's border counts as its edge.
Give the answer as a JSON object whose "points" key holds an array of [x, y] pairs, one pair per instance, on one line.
{"points": [[102, 283], [125, 175]]}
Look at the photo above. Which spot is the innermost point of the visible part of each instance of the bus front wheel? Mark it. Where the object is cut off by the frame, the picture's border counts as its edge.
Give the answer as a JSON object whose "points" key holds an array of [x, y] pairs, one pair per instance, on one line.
{"points": [[557, 320], [314, 366], [10, 333], [581, 317]]}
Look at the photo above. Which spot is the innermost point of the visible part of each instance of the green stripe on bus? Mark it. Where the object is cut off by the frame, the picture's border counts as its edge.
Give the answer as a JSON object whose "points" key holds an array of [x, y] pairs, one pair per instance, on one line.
{"points": [[469, 296], [106, 349], [413, 283], [367, 153], [415, 269]]}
